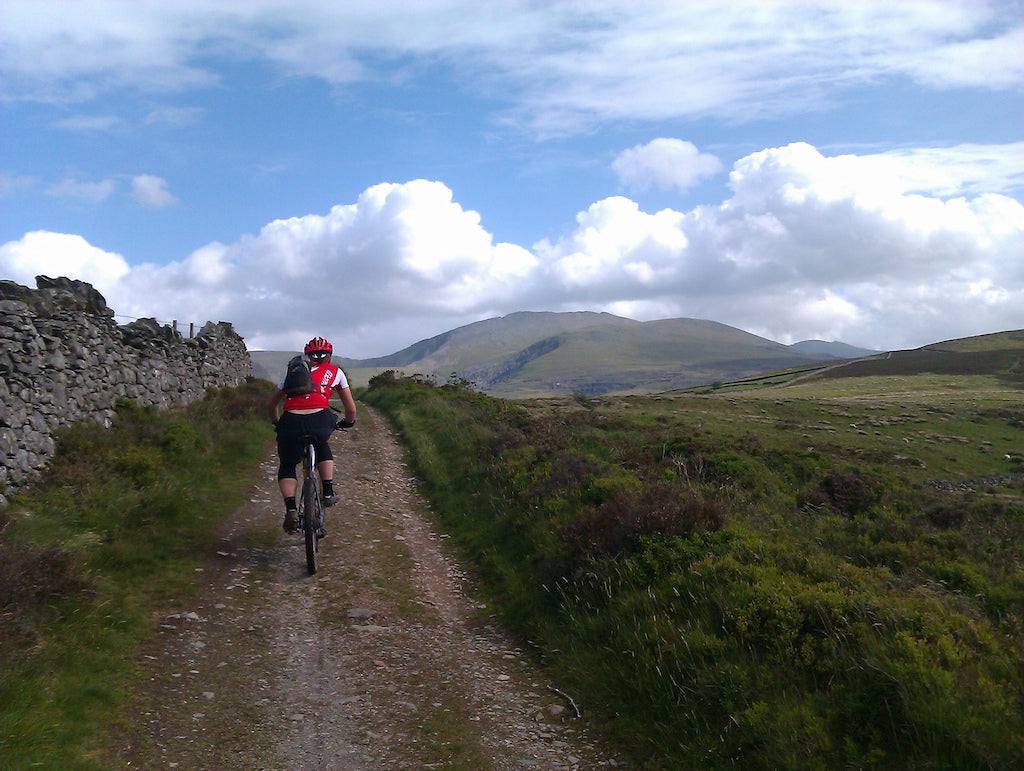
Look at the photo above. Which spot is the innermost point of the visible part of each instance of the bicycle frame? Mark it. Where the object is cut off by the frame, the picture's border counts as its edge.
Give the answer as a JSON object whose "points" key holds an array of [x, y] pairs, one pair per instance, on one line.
{"points": [[310, 500], [311, 505]]}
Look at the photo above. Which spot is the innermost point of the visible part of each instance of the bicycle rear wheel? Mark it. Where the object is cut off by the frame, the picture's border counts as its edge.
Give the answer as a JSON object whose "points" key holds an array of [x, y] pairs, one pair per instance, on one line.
{"points": [[310, 522]]}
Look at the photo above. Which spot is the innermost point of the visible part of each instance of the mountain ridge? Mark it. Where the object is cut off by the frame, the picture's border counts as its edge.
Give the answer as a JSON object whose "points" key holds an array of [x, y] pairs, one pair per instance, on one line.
{"points": [[544, 353]]}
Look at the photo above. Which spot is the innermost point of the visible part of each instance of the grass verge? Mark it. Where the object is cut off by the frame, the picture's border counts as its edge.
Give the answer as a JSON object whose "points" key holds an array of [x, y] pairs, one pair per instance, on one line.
{"points": [[780, 579], [116, 527]]}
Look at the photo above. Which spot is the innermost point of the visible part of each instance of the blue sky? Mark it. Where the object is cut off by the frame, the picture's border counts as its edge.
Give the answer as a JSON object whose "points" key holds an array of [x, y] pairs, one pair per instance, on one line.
{"points": [[380, 173]]}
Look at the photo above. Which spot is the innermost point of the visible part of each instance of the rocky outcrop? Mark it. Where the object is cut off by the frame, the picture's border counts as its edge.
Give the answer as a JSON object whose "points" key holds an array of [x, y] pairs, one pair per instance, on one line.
{"points": [[64, 359]]}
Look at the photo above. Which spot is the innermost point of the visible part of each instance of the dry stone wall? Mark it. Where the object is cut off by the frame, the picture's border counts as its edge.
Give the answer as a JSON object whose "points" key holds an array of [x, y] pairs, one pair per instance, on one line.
{"points": [[63, 359]]}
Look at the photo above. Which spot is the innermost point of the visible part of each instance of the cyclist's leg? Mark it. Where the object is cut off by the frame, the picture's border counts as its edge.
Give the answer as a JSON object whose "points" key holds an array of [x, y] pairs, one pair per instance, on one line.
{"points": [[288, 486], [289, 452], [326, 422]]}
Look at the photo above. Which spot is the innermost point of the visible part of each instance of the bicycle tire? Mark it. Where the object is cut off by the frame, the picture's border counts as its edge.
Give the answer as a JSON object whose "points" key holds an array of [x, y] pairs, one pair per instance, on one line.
{"points": [[309, 523]]}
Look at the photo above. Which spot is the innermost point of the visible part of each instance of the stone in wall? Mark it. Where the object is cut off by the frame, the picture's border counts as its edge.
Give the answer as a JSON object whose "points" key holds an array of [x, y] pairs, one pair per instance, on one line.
{"points": [[63, 359]]}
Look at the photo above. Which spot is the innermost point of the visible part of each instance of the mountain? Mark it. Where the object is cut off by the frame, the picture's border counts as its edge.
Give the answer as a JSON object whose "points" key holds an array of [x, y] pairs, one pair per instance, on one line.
{"points": [[831, 350], [531, 354]]}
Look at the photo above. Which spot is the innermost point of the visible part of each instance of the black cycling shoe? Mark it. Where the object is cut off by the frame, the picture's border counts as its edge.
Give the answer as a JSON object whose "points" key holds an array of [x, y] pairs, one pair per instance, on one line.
{"points": [[291, 521], [330, 500]]}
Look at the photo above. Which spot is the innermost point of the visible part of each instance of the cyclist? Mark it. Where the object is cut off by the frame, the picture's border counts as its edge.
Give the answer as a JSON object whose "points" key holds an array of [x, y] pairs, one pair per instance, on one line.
{"points": [[309, 414]]}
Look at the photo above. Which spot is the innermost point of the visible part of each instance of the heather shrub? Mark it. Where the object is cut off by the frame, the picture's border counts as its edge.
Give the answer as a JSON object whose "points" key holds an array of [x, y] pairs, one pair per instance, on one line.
{"points": [[720, 590], [844, 492], [33, 581], [617, 526]]}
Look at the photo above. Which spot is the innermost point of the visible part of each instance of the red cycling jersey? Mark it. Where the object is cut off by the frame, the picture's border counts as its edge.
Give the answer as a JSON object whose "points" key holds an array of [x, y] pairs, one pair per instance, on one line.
{"points": [[326, 378]]}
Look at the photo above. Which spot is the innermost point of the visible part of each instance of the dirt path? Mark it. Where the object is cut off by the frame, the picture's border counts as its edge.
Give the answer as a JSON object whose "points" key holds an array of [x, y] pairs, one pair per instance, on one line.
{"points": [[380, 661]]}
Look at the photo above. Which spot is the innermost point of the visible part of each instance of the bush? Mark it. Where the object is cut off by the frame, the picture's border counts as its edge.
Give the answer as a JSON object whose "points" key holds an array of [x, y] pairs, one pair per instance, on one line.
{"points": [[844, 492], [382, 379], [32, 580], [617, 527]]}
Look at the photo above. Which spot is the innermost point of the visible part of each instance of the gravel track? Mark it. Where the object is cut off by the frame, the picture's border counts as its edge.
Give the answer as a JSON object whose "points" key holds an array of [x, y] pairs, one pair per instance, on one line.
{"points": [[380, 661]]}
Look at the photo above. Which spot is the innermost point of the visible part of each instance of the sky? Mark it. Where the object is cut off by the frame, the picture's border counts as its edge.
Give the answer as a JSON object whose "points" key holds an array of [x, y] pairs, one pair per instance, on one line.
{"points": [[380, 173]]}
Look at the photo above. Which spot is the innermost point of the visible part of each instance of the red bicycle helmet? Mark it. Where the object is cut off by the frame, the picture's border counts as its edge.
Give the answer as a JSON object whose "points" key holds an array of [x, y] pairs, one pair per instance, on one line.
{"points": [[318, 347]]}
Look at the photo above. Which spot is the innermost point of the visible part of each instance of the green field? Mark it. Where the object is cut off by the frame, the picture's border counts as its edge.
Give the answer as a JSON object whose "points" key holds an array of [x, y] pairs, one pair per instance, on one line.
{"points": [[823, 575]]}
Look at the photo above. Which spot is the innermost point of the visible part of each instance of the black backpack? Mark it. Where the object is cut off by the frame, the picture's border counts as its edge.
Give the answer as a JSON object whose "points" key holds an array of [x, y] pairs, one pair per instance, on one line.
{"points": [[297, 378]]}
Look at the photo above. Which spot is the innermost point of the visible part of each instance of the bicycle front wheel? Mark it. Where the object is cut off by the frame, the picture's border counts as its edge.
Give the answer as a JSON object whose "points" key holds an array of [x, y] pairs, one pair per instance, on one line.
{"points": [[309, 522]]}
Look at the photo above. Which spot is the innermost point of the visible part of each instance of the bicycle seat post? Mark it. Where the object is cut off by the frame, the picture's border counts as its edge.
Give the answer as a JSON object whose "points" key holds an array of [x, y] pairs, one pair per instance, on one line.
{"points": [[309, 449]]}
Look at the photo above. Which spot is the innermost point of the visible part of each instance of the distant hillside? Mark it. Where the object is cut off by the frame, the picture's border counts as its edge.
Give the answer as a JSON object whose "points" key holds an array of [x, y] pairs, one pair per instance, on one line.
{"points": [[617, 355], [1000, 353], [831, 350], [269, 365], [545, 354], [452, 351], [542, 354]]}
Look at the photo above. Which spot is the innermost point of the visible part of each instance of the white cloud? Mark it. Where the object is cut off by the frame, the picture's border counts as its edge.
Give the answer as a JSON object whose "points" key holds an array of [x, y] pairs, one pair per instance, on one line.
{"points": [[562, 64], [962, 170], [411, 234], [174, 116], [810, 244], [403, 260], [616, 242], [60, 254], [664, 163], [77, 51], [806, 246], [89, 192], [152, 191], [97, 123], [149, 190], [10, 183], [991, 62]]}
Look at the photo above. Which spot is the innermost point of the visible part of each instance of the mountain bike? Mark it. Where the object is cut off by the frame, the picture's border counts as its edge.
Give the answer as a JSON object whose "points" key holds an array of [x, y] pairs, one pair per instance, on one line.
{"points": [[310, 500], [311, 504]]}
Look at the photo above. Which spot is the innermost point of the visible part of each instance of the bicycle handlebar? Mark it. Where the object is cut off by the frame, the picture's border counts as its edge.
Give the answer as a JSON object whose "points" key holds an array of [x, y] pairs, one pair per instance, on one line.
{"points": [[342, 424]]}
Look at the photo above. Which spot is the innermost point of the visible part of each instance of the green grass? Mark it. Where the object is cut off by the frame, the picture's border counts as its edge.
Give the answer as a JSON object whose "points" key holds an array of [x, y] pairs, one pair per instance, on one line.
{"points": [[115, 529], [778, 578]]}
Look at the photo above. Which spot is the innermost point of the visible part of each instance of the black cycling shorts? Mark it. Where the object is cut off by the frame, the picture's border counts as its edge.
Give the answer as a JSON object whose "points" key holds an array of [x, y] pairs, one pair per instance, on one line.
{"points": [[291, 427]]}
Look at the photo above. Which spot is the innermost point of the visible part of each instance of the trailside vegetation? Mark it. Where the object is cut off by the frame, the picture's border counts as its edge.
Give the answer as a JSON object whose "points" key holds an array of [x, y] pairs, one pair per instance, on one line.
{"points": [[782, 579], [112, 534]]}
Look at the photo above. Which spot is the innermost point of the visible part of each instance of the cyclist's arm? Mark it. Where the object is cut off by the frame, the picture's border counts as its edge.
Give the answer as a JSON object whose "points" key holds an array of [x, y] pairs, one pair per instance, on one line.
{"points": [[276, 397], [348, 403]]}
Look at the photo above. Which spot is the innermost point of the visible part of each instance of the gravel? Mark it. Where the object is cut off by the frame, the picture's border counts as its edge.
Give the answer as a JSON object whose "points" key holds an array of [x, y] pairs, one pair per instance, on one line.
{"points": [[382, 660]]}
